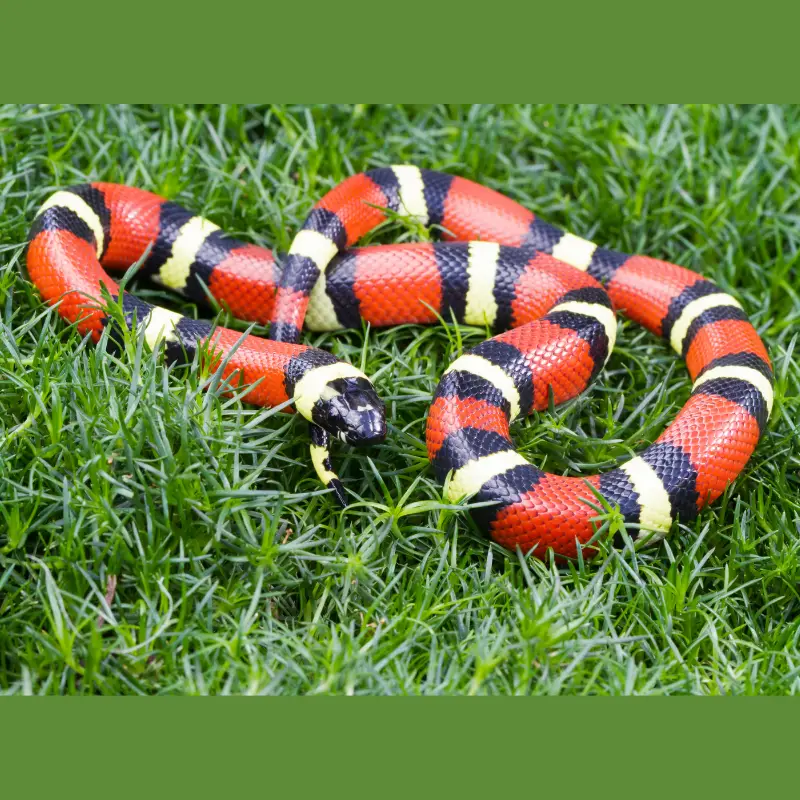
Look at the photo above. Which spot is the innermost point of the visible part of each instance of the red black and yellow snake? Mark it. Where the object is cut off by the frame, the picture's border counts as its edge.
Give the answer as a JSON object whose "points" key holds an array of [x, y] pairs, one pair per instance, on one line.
{"points": [[550, 295]]}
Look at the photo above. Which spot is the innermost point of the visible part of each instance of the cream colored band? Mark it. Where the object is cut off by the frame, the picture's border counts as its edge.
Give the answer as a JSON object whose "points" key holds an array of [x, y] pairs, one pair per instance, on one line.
{"points": [[573, 250], [174, 272], [692, 311], [412, 193], [474, 474], [314, 245], [655, 507], [318, 456], [83, 210], [752, 376], [312, 386], [321, 314], [481, 307], [605, 316], [160, 324], [498, 377]]}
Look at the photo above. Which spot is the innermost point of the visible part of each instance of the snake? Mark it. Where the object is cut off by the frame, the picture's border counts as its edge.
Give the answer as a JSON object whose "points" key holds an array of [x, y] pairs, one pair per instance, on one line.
{"points": [[549, 297]]}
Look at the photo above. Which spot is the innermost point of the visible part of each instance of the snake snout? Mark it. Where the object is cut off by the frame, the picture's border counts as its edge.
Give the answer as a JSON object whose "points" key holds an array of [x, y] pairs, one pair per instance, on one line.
{"points": [[353, 412]]}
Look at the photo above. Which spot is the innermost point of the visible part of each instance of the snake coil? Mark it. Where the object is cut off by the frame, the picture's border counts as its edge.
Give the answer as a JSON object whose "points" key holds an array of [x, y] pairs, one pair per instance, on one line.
{"points": [[549, 295]]}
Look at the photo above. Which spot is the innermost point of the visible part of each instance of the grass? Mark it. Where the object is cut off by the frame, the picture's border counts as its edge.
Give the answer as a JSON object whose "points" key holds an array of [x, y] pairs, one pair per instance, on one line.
{"points": [[157, 538]]}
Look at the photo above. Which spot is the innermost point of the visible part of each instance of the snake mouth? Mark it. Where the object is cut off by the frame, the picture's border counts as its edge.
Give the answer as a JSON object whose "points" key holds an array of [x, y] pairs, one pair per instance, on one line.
{"points": [[351, 411]]}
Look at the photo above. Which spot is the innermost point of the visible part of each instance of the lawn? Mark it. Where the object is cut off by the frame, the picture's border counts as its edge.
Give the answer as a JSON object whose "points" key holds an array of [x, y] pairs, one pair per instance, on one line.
{"points": [[157, 538]]}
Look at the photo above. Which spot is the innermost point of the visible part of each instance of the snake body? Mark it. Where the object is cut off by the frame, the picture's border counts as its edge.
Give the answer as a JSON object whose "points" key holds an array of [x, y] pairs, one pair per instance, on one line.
{"points": [[549, 294]]}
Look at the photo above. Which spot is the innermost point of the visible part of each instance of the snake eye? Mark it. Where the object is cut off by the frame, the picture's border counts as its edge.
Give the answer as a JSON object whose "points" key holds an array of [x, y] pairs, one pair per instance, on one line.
{"points": [[350, 409]]}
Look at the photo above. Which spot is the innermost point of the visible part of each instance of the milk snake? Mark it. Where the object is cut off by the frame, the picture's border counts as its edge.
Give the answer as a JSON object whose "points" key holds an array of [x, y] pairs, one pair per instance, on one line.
{"points": [[548, 293]]}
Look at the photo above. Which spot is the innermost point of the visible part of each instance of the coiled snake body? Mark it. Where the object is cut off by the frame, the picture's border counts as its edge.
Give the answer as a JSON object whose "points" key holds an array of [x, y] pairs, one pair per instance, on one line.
{"points": [[550, 294]]}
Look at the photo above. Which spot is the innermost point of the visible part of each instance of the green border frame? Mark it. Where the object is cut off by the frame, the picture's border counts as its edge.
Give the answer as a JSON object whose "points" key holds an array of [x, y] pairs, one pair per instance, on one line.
{"points": [[366, 746], [374, 746], [512, 49]]}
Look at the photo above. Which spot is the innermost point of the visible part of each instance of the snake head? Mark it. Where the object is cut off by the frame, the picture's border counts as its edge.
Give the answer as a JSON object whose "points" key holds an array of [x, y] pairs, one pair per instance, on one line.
{"points": [[340, 402], [340, 399], [350, 409]]}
